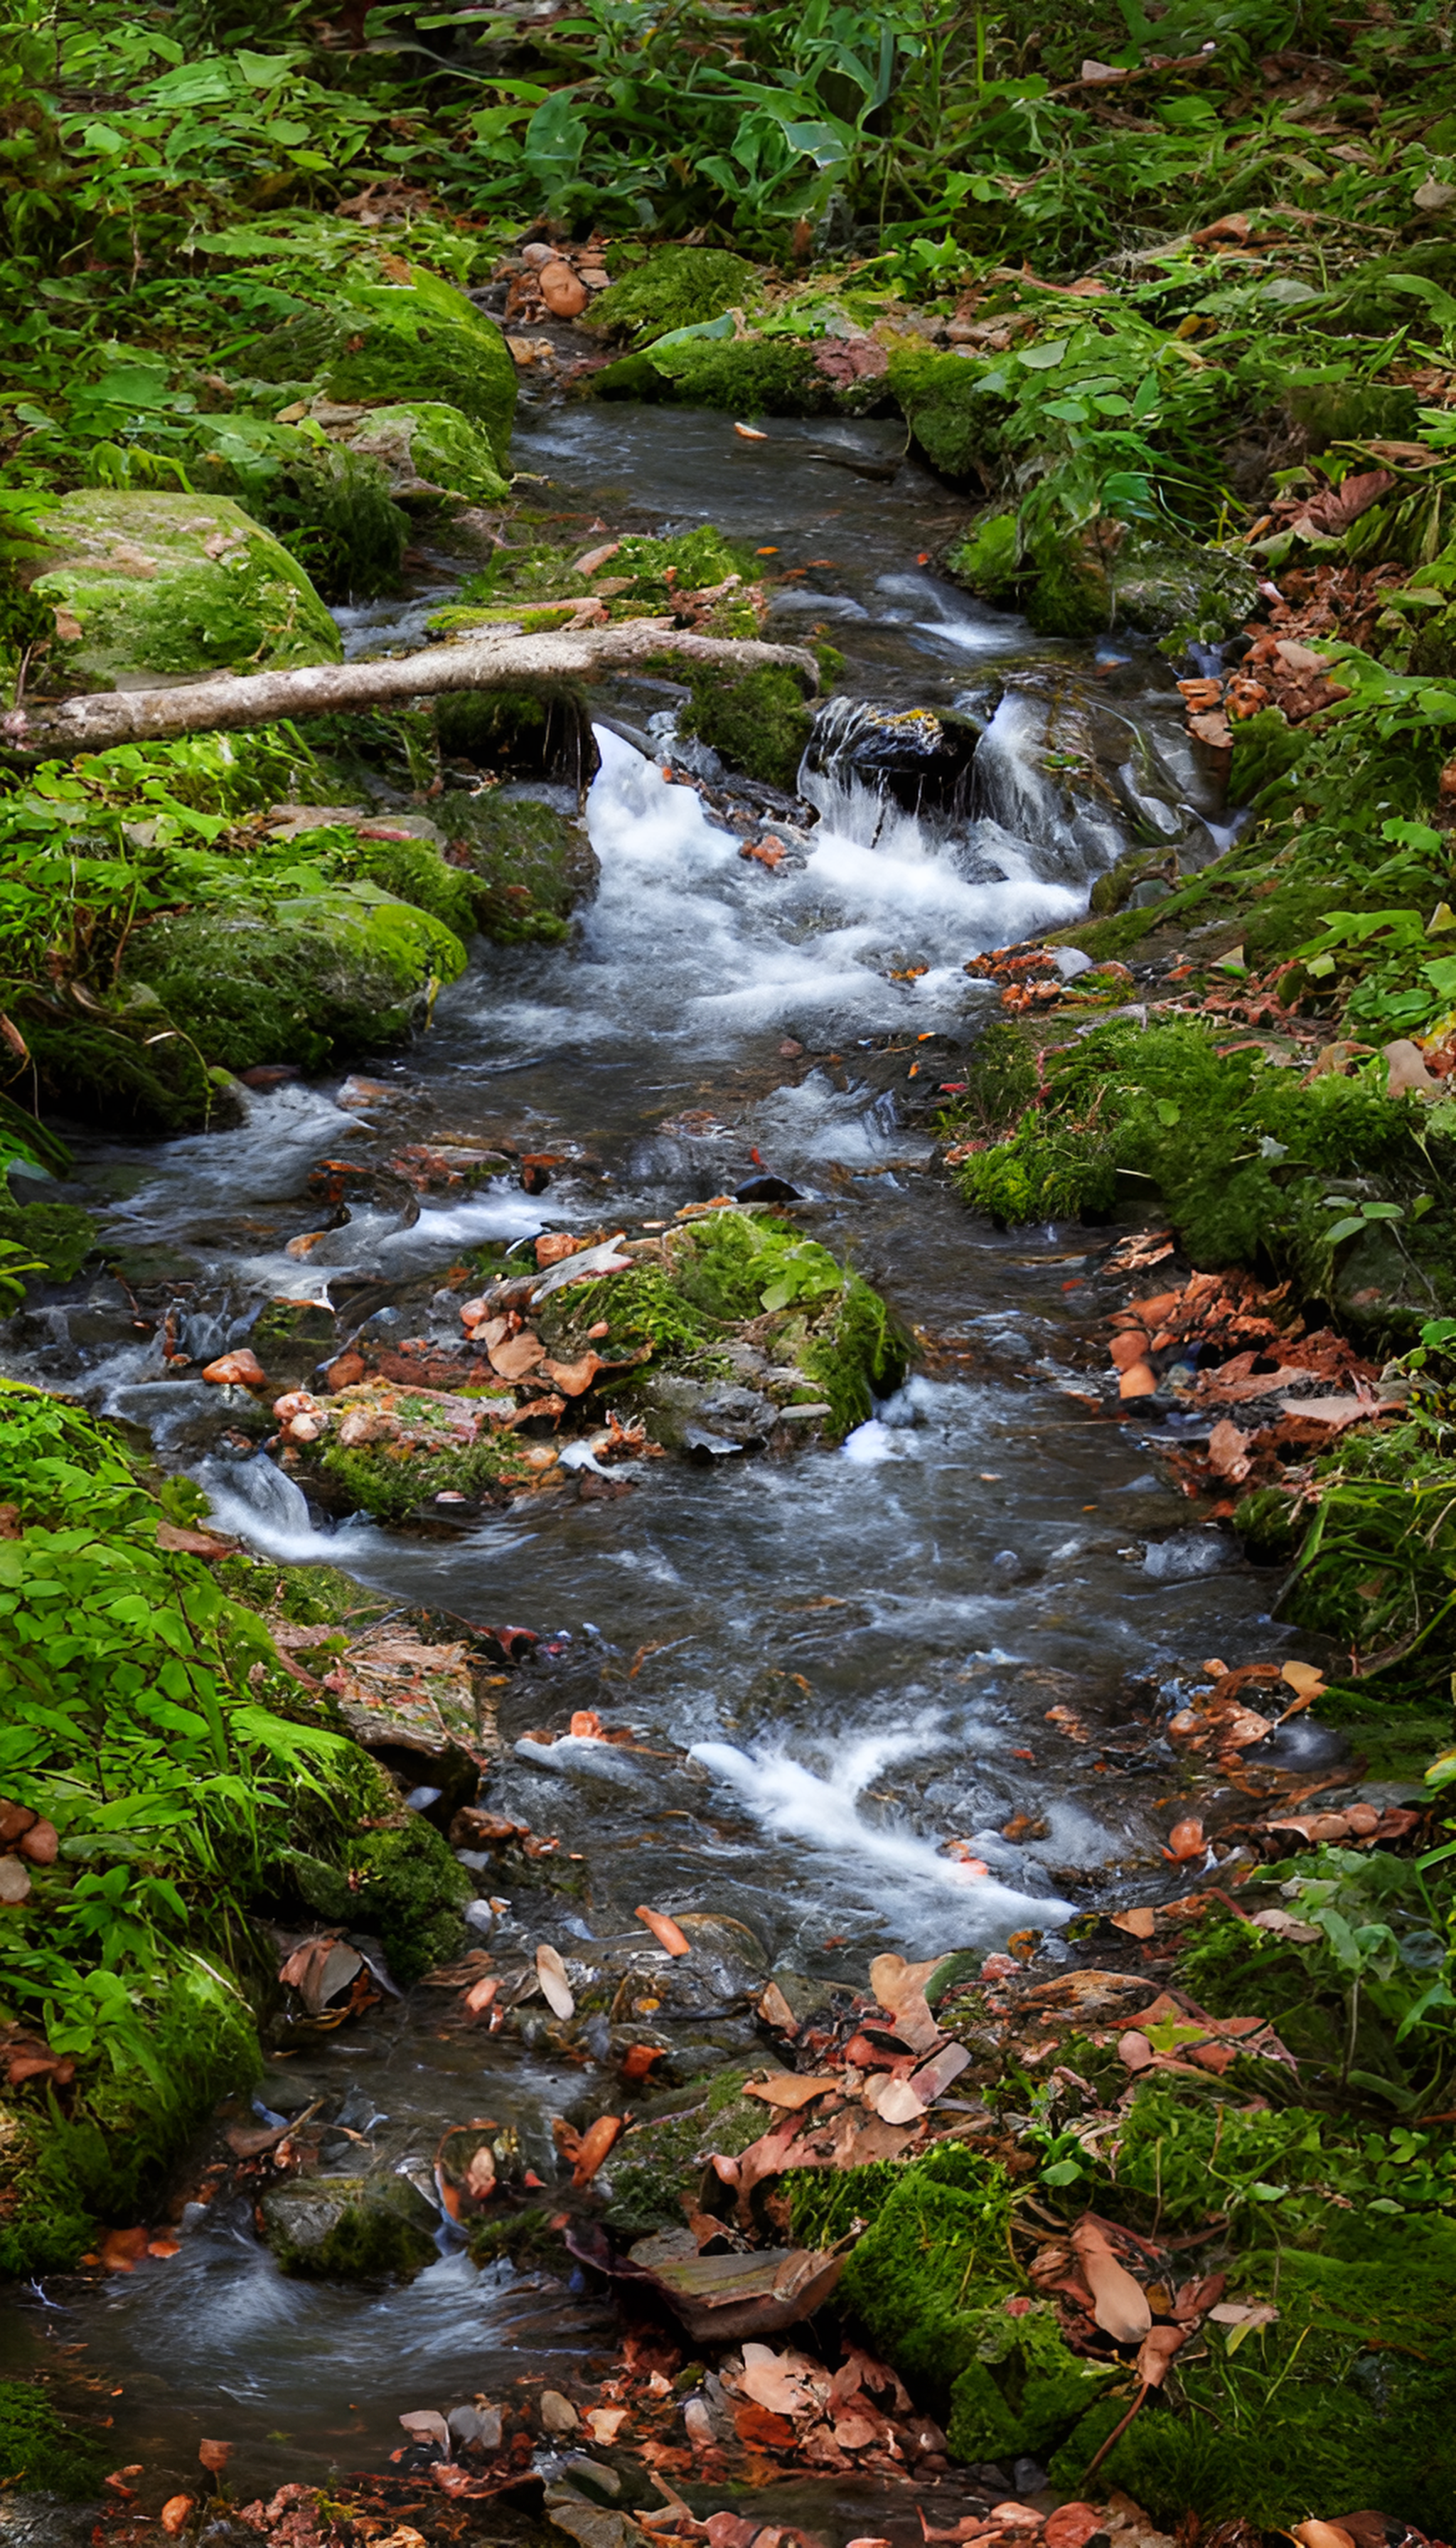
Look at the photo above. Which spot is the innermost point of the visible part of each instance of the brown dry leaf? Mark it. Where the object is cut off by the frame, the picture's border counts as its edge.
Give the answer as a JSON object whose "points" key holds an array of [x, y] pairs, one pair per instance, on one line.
{"points": [[1068, 1722], [1119, 2303], [1322, 2534], [215, 2456], [1156, 2351], [318, 1970], [515, 1356], [480, 2175], [555, 1988], [595, 2143], [786, 2384], [666, 1931], [120, 2249], [482, 1993], [784, 2088], [1138, 1922], [176, 2513], [238, 1370], [1228, 1453], [604, 2424], [573, 1379]]}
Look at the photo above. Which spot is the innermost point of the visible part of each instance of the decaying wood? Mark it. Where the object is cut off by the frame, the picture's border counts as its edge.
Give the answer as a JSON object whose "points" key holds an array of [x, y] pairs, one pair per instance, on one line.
{"points": [[228, 701]]}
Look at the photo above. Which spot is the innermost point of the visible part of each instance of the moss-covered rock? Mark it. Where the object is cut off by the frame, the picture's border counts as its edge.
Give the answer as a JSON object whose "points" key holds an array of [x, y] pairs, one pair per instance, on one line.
{"points": [[399, 1881], [353, 2228], [679, 287], [346, 970], [429, 450], [392, 344], [389, 1448], [424, 340], [760, 724], [656, 2169], [749, 376], [528, 863], [147, 585], [957, 423], [1077, 579]]}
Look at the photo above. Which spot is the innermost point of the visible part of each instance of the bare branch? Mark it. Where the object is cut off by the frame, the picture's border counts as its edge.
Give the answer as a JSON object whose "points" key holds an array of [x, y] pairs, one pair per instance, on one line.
{"points": [[228, 701]]}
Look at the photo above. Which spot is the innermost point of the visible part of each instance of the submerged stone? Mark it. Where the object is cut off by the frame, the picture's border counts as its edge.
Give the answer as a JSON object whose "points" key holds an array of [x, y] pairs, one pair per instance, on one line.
{"points": [[351, 2226], [152, 587]]}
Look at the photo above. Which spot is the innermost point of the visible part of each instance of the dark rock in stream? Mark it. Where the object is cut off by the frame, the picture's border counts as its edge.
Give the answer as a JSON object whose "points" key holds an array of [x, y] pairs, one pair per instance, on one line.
{"points": [[350, 2226]]}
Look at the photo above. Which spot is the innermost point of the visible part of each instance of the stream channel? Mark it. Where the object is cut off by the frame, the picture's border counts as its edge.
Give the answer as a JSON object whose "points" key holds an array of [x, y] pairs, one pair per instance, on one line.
{"points": [[833, 1661]]}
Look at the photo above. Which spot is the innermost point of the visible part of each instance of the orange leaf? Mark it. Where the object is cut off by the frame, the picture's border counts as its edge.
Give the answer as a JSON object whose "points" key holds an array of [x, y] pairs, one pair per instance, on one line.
{"points": [[666, 1931]]}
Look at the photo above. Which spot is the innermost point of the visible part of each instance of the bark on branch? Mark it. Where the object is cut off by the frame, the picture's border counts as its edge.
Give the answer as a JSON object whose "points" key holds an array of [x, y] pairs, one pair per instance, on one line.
{"points": [[227, 701]]}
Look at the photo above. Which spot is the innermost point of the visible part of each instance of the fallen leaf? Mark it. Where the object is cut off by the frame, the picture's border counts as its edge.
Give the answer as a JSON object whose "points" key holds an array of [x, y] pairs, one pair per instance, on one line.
{"points": [[122, 2249], [750, 433], [597, 2141], [515, 1355], [176, 2513], [15, 1880], [320, 1970], [603, 2424], [1228, 1451], [1119, 2303], [1282, 1924], [1156, 2351], [215, 2456], [480, 2175], [1071, 2525], [666, 1931], [1185, 1840], [482, 1993], [573, 1379], [555, 1988], [1138, 1922], [787, 2089]]}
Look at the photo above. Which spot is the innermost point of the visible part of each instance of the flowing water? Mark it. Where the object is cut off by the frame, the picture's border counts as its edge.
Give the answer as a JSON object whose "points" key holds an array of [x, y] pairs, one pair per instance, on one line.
{"points": [[833, 1664]]}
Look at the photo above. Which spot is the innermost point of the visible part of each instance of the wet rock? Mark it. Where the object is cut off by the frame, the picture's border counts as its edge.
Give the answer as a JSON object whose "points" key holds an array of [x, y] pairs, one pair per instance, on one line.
{"points": [[351, 2226], [151, 588], [656, 2168], [919, 758], [711, 1418]]}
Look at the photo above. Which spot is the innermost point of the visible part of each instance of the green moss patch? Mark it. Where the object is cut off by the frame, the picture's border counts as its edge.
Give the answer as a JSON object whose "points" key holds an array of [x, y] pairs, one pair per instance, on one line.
{"points": [[428, 450], [38, 2452], [344, 969], [678, 287], [155, 583], [760, 724], [527, 865]]}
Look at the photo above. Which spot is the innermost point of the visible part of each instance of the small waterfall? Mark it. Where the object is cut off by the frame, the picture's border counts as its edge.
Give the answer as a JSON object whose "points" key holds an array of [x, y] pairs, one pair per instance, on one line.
{"points": [[258, 1502]]}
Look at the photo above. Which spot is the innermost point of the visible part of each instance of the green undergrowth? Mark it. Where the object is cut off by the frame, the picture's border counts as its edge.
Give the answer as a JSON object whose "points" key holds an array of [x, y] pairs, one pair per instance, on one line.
{"points": [[760, 724], [190, 1787], [40, 2452], [1241, 1151], [637, 574], [1345, 2229]]}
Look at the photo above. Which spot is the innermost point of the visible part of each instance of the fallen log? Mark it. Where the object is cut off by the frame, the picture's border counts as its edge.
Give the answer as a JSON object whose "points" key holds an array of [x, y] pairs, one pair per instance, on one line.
{"points": [[223, 702]]}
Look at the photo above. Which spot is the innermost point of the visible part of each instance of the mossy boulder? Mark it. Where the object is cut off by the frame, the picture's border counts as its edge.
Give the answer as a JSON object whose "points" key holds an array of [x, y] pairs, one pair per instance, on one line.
{"points": [[429, 450], [679, 287], [390, 1449], [656, 2169], [353, 2228], [527, 865], [148, 586], [760, 724], [303, 979], [1078, 579], [392, 344], [748, 376], [956, 423]]}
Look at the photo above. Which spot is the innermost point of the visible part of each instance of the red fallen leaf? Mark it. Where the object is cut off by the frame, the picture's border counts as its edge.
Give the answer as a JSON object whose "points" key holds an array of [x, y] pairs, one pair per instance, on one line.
{"points": [[638, 2059], [1185, 1840], [759, 2424], [595, 2142], [215, 2456], [242, 1369], [176, 2513], [666, 1931], [585, 1721], [480, 1993], [449, 2478], [1071, 2525], [118, 2480], [120, 2248]]}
